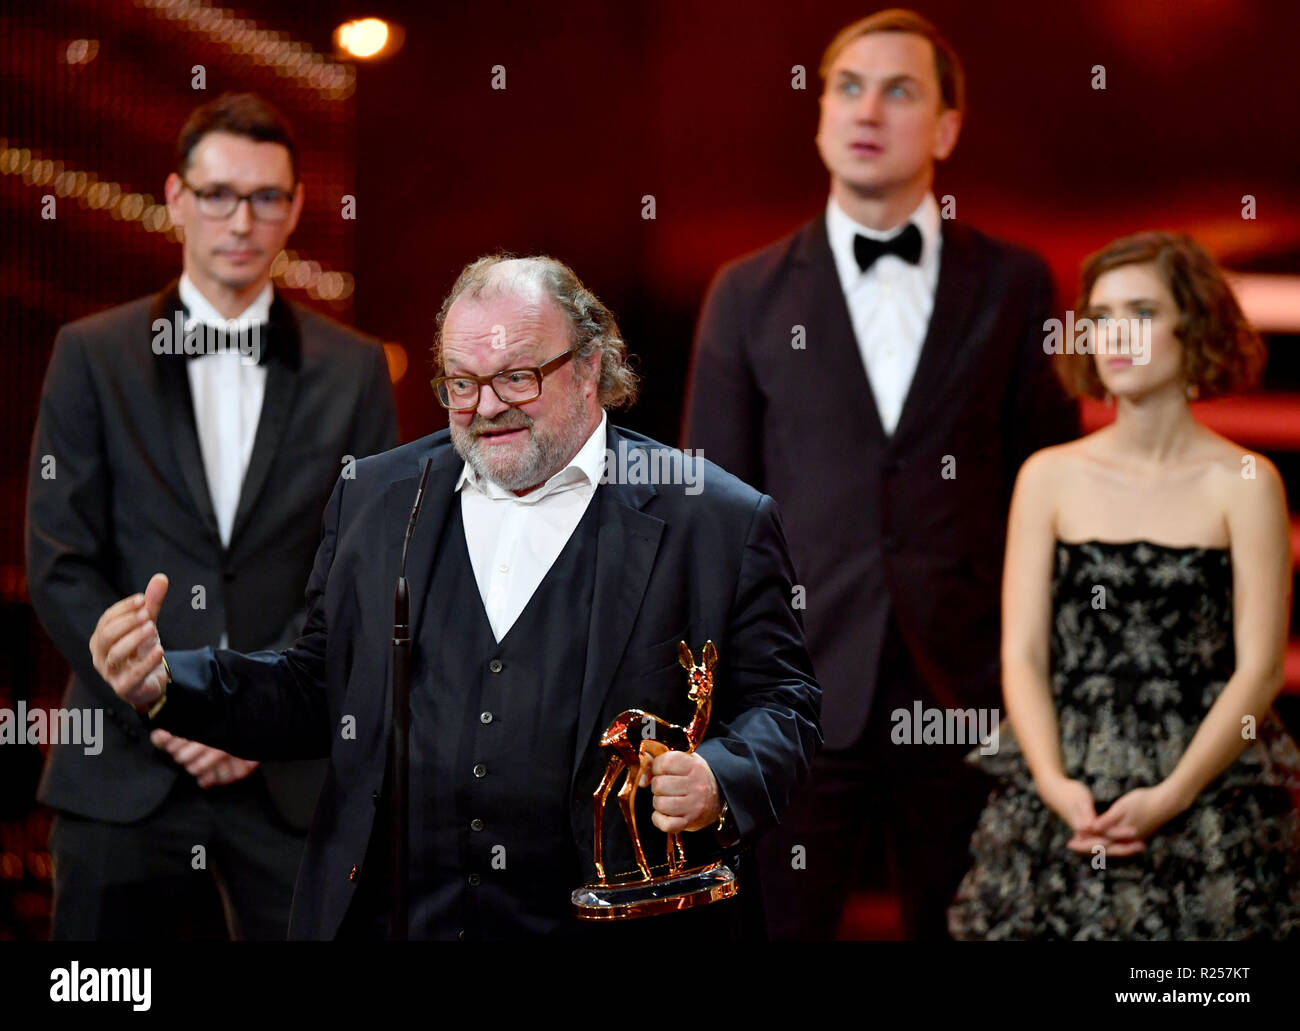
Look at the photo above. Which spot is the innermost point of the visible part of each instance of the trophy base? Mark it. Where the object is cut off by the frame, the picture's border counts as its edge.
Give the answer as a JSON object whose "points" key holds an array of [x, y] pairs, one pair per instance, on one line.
{"points": [[625, 898]]}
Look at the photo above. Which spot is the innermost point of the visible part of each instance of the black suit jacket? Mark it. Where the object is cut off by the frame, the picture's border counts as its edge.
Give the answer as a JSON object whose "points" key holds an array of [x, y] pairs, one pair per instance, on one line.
{"points": [[669, 566], [873, 522], [129, 498]]}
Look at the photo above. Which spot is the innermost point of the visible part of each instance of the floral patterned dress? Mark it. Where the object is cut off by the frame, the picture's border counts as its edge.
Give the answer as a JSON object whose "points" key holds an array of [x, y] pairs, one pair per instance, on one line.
{"points": [[1141, 646]]}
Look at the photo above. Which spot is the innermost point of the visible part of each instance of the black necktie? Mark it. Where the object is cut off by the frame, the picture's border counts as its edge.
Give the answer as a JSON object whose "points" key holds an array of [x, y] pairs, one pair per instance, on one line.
{"points": [[907, 245]]}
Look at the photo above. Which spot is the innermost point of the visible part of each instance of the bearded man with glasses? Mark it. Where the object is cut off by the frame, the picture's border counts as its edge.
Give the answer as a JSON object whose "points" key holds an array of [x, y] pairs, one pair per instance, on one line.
{"points": [[547, 597], [215, 464]]}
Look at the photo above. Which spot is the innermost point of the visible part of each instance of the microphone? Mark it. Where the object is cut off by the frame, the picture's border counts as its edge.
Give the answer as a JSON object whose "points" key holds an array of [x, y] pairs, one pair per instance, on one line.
{"points": [[415, 513], [399, 768]]}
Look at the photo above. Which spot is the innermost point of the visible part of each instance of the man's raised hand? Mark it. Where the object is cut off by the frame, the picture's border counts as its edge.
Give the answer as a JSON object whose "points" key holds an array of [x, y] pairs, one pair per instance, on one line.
{"points": [[125, 646]]}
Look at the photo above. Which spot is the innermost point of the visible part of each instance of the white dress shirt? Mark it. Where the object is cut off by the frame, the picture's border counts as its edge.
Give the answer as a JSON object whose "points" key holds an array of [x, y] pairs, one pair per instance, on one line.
{"points": [[513, 541], [890, 303], [227, 392]]}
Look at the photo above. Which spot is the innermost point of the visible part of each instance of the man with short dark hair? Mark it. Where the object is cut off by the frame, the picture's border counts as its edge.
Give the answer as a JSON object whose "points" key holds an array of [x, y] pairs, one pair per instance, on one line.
{"points": [[551, 587], [200, 430], [881, 373]]}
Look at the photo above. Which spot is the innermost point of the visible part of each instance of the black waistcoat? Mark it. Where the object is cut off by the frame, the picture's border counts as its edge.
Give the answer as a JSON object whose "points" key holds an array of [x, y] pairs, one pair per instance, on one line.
{"points": [[492, 744]]}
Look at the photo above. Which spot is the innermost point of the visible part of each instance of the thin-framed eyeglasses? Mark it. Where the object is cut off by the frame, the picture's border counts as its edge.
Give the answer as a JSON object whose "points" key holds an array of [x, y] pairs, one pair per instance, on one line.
{"points": [[270, 204]]}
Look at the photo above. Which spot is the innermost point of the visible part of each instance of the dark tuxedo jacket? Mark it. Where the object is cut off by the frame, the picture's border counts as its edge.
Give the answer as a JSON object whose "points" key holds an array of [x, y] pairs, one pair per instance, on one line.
{"points": [[669, 567], [129, 498], [873, 521]]}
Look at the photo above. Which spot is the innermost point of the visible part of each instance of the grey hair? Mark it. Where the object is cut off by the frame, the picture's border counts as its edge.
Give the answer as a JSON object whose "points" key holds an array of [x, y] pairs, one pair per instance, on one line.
{"points": [[592, 326]]}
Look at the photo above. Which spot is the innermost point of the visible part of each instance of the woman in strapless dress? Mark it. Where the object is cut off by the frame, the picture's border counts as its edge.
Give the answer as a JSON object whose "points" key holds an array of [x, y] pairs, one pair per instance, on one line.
{"points": [[1146, 789]]}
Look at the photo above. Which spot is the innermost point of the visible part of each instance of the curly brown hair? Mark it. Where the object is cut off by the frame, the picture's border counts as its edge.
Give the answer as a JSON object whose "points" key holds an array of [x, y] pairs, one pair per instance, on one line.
{"points": [[1221, 352]]}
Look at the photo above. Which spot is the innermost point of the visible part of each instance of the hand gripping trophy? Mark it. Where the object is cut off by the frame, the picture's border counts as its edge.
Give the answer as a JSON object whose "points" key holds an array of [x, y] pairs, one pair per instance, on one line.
{"points": [[633, 740]]}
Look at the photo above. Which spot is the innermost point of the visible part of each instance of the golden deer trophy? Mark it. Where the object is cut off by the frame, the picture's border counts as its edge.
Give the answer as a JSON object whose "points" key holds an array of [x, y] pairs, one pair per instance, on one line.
{"points": [[633, 739]]}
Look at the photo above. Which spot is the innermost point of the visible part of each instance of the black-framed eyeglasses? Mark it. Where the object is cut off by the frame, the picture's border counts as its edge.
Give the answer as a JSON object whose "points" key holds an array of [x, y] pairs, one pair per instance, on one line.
{"points": [[268, 205], [512, 386]]}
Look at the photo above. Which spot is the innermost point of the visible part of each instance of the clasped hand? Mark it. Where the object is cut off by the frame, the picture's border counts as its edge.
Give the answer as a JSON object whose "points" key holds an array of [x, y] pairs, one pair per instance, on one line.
{"points": [[1122, 829]]}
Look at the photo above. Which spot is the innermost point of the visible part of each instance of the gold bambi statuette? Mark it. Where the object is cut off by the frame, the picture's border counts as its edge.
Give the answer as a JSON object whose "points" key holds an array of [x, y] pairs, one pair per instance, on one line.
{"points": [[633, 740]]}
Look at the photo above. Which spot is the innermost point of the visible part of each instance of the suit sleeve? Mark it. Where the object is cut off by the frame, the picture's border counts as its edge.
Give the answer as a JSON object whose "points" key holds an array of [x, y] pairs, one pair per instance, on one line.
{"points": [[69, 536], [723, 410], [262, 705], [767, 712], [1041, 413], [375, 427]]}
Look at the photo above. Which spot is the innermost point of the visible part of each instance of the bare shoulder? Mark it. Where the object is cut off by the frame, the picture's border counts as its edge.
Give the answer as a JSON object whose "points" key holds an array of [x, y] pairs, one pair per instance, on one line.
{"points": [[1041, 484], [1230, 465], [1247, 488], [1053, 465]]}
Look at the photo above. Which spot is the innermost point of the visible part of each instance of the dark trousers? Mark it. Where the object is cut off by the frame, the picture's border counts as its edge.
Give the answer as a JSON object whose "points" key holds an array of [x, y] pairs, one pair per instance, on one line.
{"points": [[924, 798], [139, 881]]}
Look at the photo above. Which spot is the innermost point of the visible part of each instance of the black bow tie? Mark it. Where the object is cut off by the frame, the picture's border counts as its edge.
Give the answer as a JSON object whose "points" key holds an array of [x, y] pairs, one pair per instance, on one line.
{"points": [[210, 339], [907, 245]]}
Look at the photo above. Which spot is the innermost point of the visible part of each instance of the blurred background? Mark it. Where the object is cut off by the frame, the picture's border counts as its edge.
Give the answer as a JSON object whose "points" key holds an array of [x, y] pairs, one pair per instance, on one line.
{"points": [[604, 104]]}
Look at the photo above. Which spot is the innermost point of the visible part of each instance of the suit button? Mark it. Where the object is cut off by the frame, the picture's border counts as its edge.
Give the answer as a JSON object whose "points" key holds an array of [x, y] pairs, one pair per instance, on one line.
{"points": [[227, 574], [480, 770], [460, 936], [495, 666], [352, 874], [476, 824], [485, 717], [473, 880], [374, 797]]}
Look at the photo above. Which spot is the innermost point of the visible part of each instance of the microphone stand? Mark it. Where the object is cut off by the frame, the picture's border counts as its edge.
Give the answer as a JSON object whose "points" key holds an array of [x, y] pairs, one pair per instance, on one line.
{"points": [[399, 766]]}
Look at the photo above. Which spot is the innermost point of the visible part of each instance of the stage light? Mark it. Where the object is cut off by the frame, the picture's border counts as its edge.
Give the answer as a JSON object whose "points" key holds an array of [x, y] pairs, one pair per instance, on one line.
{"points": [[263, 46], [368, 38], [362, 38], [81, 51]]}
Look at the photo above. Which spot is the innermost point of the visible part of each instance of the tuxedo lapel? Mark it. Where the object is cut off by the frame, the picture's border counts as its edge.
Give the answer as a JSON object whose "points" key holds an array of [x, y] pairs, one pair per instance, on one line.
{"points": [[947, 341], [282, 376], [830, 339], [626, 547], [177, 409]]}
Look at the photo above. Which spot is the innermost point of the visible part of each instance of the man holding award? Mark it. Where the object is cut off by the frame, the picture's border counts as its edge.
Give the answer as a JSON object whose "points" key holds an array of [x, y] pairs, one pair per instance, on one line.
{"points": [[550, 599]]}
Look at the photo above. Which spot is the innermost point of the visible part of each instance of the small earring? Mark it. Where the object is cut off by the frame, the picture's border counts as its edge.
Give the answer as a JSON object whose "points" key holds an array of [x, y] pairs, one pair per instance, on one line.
{"points": [[1193, 391]]}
